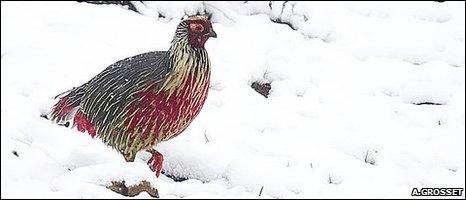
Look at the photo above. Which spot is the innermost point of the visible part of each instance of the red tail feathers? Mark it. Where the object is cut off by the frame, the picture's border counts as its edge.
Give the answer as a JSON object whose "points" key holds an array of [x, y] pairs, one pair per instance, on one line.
{"points": [[67, 110], [83, 124], [64, 110]]}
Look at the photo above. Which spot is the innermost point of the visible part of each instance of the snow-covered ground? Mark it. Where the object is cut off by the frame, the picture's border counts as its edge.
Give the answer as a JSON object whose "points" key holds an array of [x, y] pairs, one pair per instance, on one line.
{"points": [[341, 119]]}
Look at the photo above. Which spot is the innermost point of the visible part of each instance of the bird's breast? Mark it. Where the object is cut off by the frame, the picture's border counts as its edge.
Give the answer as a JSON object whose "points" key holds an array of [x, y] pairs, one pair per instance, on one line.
{"points": [[164, 114]]}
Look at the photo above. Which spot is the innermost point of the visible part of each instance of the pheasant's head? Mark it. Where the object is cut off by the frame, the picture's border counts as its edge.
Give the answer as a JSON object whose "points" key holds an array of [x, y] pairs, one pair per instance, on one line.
{"points": [[199, 29]]}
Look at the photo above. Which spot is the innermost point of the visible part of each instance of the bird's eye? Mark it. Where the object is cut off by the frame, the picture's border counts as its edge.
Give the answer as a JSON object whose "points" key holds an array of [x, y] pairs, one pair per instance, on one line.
{"points": [[196, 27]]}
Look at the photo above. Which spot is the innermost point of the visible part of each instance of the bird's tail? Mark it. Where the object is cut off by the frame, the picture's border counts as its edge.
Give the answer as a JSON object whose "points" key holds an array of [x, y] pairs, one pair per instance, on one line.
{"points": [[68, 104]]}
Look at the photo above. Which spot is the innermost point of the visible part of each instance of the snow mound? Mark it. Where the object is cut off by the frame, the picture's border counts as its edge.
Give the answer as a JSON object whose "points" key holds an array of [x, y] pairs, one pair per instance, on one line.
{"points": [[341, 118]]}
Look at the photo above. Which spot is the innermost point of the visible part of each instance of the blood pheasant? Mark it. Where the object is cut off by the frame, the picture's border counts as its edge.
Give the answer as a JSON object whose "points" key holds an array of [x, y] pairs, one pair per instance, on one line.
{"points": [[140, 101]]}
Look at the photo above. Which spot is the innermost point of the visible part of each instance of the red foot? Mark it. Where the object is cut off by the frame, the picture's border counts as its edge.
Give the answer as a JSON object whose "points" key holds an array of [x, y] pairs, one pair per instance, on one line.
{"points": [[155, 162]]}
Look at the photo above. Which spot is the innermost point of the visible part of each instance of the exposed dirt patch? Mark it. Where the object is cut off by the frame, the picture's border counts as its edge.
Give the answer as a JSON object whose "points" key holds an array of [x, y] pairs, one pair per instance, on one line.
{"points": [[121, 3], [428, 103], [262, 88], [133, 190]]}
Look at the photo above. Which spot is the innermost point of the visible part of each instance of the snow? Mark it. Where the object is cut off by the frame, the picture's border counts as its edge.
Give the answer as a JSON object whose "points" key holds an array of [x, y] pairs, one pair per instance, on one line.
{"points": [[341, 120]]}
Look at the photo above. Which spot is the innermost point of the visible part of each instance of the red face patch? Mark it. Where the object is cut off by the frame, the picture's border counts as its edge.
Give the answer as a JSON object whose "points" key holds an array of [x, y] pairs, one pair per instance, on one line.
{"points": [[196, 28], [199, 30]]}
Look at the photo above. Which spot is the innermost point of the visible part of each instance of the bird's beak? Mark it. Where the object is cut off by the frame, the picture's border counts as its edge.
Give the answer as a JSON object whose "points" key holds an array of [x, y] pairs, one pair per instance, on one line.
{"points": [[212, 33]]}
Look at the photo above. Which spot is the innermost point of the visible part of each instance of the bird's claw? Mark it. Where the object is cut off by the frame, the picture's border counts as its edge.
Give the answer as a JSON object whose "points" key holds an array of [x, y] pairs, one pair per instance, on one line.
{"points": [[155, 162]]}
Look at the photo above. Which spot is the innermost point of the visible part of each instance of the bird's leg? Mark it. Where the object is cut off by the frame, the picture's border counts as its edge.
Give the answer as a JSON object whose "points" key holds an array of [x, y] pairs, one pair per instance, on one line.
{"points": [[155, 162]]}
